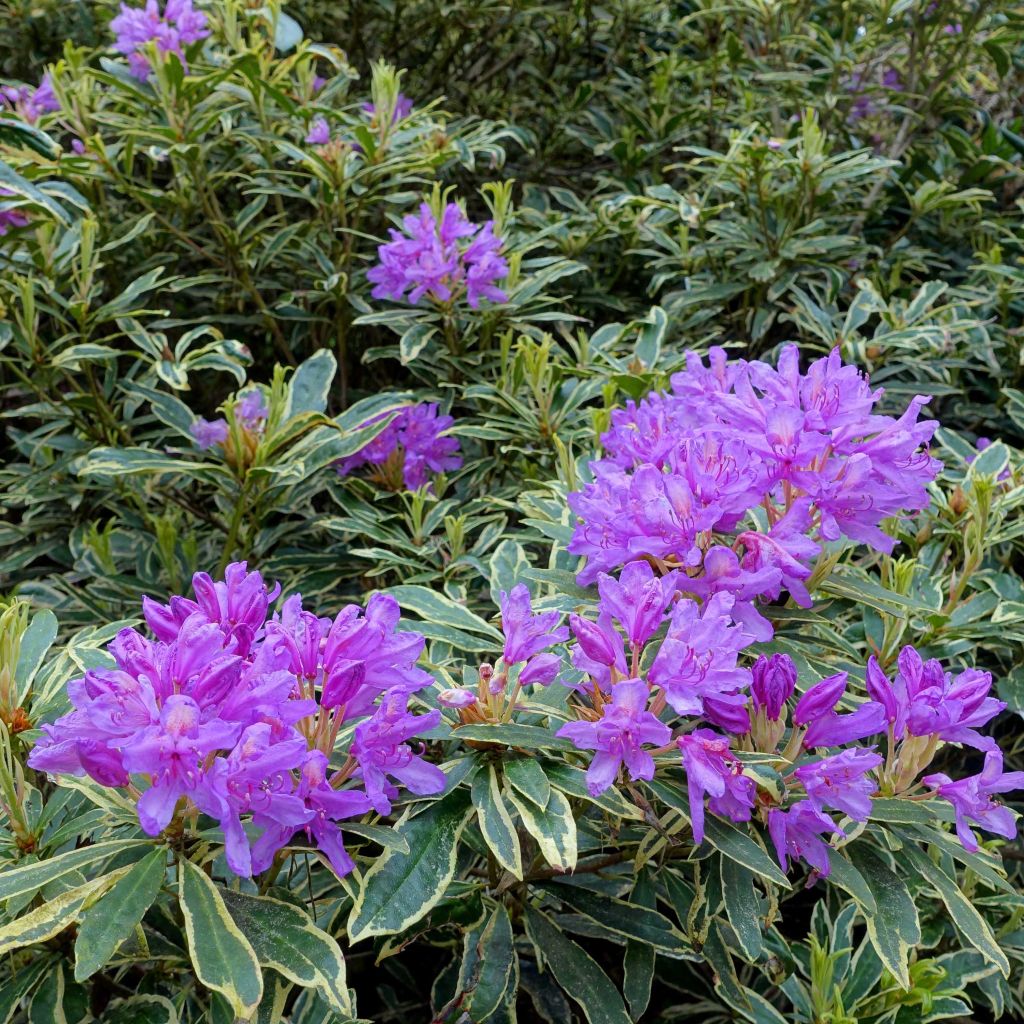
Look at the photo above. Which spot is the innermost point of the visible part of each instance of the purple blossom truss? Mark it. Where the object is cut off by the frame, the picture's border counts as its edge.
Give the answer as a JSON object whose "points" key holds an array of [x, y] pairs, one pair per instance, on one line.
{"points": [[411, 448], [234, 711], [686, 476], [443, 258], [175, 26]]}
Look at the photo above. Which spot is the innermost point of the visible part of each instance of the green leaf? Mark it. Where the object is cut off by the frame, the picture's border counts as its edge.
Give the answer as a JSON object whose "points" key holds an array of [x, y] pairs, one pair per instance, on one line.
{"points": [[108, 922], [28, 877], [626, 919], [846, 876], [310, 385], [286, 940], [141, 1010], [18, 134], [400, 888], [35, 642], [221, 955], [742, 906], [495, 822], [436, 607], [287, 32], [738, 846], [487, 960], [962, 911], [573, 781], [896, 811], [893, 929], [507, 565], [554, 828], [413, 341], [527, 777], [575, 971], [524, 737], [53, 916], [639, 959]]}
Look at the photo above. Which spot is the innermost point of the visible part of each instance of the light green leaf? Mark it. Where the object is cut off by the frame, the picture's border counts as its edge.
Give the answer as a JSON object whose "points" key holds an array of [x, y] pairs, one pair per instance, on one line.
{"points": [[54, 915], [554, 828], [524, 737], [285, 939], [527, 777], [495, 822], [310, 386], [741, 906], [108, 922], [575, 971], [414, 340], [35, 642], [507, 565], [400, 888], [287, 32], [436, 607], [626, 919], [738, 846], [221, 955], [27, 877]]}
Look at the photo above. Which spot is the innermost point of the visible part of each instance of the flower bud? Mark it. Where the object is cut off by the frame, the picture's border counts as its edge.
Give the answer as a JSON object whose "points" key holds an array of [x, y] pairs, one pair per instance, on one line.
{"points": [[540, 669], [593, 640], [456, 698], [773, 684], [820, 699]]}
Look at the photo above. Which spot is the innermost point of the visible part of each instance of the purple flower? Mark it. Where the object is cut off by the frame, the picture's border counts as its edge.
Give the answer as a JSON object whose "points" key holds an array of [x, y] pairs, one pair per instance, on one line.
{"points": [[820, 699], [416, 437], [697, 664], [209, 432], [440, 259], [972, 799], [457, 697], [178, 25], [324, 806], [618, 736], [31, 103], [527, 633], [251, 410], [772, 684], [797, 834], [319, 132], [382, 752], [841, 782], [637, 600], [364, 656], [403, 108], [171, 753], [924, 700], [10, 218], [711, 769], [540, 670], [828, 729]]}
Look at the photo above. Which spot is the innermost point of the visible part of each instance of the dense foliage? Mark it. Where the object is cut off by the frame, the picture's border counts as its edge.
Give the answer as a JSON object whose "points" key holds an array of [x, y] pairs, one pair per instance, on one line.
{"points": [[512, 511]]}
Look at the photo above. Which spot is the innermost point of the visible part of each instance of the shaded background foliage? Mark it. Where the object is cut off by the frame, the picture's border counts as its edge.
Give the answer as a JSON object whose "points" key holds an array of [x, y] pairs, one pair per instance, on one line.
{"points": [[667, 176]]}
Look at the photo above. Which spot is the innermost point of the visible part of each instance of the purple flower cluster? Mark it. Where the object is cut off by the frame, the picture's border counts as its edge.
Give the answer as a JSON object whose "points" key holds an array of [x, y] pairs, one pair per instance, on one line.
{"points": [[249, 413], [442, 258], [411, 447], [234, 712], [403, 108], [178, 25], [684, 473], [31, 103], [630, 707], [10, 218]]}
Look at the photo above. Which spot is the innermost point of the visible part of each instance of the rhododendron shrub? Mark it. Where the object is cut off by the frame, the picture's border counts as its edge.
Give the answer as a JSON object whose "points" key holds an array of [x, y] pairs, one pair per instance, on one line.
{"points": [[510, 515]]}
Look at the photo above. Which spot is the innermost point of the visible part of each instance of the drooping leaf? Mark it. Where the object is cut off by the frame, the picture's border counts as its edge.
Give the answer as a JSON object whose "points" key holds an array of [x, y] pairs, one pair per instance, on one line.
{"points": [[575, 970], [554, 828], [400, 888], [287, 940], [222, 957], [495, 822], [110, 920]]}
